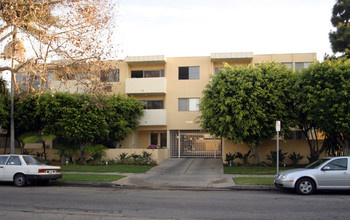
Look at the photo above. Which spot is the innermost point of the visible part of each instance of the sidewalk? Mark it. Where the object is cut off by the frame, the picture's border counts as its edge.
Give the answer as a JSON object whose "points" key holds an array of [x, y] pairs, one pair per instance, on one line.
{"points": [[180, 173]]}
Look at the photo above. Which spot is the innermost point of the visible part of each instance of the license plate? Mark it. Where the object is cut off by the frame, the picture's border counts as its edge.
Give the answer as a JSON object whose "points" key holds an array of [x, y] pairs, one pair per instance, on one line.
{"points": [[50, 171]]}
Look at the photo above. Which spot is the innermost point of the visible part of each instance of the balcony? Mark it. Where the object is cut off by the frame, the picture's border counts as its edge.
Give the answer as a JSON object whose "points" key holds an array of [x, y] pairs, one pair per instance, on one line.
{"points": [[153, 117], [145, 85]]}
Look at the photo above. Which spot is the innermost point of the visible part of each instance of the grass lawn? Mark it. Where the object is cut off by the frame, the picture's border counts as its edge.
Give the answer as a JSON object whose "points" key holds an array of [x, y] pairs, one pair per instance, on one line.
{"points": [[90, 177], [103, 168], [268, 181], [255, 170]]}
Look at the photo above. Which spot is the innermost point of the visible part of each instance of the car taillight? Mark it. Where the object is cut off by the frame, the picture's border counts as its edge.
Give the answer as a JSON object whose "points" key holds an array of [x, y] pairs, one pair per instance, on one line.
{"points": [[58, 170], [41, 170]]}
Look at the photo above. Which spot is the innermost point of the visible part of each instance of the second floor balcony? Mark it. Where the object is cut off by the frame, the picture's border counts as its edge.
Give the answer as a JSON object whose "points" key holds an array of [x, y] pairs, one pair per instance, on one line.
{"points": [[156, 85], [153, 117]]}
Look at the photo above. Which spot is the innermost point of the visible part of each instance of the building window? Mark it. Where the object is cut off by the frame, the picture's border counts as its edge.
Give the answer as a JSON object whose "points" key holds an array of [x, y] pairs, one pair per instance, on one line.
{"points": [[189, 104], [153, 104], [159, 139], [76, 76], [289, 65], [147, 73], [51, 76], [218, 69], [295, 135], [301, 65], [32, 80], [110, 76], [191, 72]]}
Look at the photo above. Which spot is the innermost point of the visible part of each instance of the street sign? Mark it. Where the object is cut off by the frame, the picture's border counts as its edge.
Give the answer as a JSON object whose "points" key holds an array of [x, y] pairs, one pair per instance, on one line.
{"points": [[278, 125]]}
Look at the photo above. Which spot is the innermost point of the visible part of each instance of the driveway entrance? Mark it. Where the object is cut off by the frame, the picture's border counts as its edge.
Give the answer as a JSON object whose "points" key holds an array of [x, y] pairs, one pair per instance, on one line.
{"points": [[194, 144], [182, 172]]}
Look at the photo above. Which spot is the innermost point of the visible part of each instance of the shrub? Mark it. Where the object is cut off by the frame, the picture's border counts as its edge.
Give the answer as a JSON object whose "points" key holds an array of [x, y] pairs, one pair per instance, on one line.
{"points": [[245, 157], [96, 151], [230, 158], [273, 157], [295, 158]]}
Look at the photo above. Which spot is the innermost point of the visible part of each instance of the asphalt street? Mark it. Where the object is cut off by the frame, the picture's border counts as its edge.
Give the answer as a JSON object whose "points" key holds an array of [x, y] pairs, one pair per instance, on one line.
{"points": [[57, 202]]}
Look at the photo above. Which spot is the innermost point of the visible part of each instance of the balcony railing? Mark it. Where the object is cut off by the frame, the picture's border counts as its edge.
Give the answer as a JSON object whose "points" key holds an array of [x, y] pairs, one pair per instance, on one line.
{"points": [[145, 85], [153, 117]]}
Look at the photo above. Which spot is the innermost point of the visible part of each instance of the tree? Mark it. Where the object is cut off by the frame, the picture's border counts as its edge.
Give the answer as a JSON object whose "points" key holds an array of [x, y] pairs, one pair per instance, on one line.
{"points": [[243, 103], [78, 118], [84, 119], [301, 111], [340, 38], [327, 92], [37, 31], [122, 116]]}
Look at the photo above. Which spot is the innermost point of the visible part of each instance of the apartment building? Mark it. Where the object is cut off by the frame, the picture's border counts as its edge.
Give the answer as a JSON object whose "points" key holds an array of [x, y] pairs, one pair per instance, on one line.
{"points": [[171, 89]]}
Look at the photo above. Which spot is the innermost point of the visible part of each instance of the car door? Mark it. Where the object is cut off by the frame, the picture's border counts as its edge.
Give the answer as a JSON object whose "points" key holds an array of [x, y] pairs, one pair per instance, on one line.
{"points": [[3, 160], [334, 174], [12, 166]]}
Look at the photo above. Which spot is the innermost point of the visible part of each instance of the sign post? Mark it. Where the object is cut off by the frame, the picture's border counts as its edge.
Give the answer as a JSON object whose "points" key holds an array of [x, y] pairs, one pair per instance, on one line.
{"points": [[278, 129]]}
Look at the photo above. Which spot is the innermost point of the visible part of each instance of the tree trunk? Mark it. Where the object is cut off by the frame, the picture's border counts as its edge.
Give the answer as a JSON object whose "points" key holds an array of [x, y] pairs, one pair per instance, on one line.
{"points": [[6, 144], [44, 146], [82, 148], [346, 143], [254, 149]]}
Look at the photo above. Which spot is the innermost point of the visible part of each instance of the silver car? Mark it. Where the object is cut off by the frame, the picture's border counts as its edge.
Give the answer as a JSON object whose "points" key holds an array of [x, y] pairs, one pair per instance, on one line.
{"points": [[326, 173]]}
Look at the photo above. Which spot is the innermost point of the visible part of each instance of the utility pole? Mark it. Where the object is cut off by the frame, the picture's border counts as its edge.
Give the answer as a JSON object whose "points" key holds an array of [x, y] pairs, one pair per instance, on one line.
{"points": [[12, 131]]}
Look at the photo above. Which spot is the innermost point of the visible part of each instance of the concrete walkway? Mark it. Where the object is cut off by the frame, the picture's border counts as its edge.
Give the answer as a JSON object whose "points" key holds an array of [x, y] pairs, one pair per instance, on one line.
{"points": [[182, 173]]}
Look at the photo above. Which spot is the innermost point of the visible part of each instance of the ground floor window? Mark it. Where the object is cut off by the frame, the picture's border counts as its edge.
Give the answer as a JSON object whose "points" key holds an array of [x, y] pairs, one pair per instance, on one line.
{"points": [[159, 139]]}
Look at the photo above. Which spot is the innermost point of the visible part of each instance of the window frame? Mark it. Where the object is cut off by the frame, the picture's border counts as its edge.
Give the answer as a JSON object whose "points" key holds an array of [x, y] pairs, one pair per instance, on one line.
{"points": [[144, 73], [189, 72], [186, 107], [112, 75], [146, 104]]}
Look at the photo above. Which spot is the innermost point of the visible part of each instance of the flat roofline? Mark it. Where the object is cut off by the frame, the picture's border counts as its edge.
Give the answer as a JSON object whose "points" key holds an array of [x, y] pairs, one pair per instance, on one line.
{"points": [[232, 56], [145, 60]]}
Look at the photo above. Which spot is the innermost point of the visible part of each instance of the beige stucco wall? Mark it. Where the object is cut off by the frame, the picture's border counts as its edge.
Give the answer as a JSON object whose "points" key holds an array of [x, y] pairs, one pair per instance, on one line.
{"points": [[185, 89], [287, 146], [157, 154], [112, 154]]}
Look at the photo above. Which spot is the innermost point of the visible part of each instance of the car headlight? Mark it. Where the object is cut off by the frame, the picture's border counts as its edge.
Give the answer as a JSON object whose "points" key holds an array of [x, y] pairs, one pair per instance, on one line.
{"points": [[283, 176]]}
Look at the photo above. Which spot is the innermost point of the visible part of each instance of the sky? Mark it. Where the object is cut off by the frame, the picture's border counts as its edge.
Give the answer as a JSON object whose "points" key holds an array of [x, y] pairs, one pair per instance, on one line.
{"points": [[180, 28]]}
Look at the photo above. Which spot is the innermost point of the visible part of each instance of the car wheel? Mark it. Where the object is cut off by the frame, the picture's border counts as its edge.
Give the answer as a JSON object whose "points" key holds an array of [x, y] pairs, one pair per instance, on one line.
{"points": [[20, 180], [305, 186]]}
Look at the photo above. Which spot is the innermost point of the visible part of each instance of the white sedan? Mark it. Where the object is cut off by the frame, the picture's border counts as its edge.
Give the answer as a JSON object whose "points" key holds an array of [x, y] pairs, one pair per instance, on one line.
{"points": [[324, 174], [24, 169]]}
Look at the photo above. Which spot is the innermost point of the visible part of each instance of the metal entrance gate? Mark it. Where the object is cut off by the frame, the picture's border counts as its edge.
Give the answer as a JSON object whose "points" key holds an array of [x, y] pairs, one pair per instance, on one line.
{"points": [[194, 144]]}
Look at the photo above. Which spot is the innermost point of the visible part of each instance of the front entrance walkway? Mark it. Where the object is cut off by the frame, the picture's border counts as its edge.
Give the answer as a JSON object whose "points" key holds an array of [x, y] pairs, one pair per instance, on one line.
{"points": [[182, 172]]}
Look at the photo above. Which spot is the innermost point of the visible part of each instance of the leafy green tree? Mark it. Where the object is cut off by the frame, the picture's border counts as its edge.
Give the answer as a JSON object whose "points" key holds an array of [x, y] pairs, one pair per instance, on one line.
{"points": [[243, 103], [326, 87], [340, 38], [122, 117], [301, 113], [79, 118]]}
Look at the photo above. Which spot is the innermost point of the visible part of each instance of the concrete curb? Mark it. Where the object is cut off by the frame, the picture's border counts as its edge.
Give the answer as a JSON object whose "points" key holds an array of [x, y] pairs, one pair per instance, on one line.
{"points": [[113, 185]]}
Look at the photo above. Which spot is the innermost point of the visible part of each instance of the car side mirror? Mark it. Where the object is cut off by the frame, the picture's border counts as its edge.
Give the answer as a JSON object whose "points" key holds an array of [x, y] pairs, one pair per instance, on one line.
{"points": [[326, 168]]}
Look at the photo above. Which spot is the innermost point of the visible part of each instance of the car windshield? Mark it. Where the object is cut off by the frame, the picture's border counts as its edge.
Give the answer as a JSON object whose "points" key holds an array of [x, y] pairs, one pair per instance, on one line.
{"points": [[30, 160], [316, 163]]}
